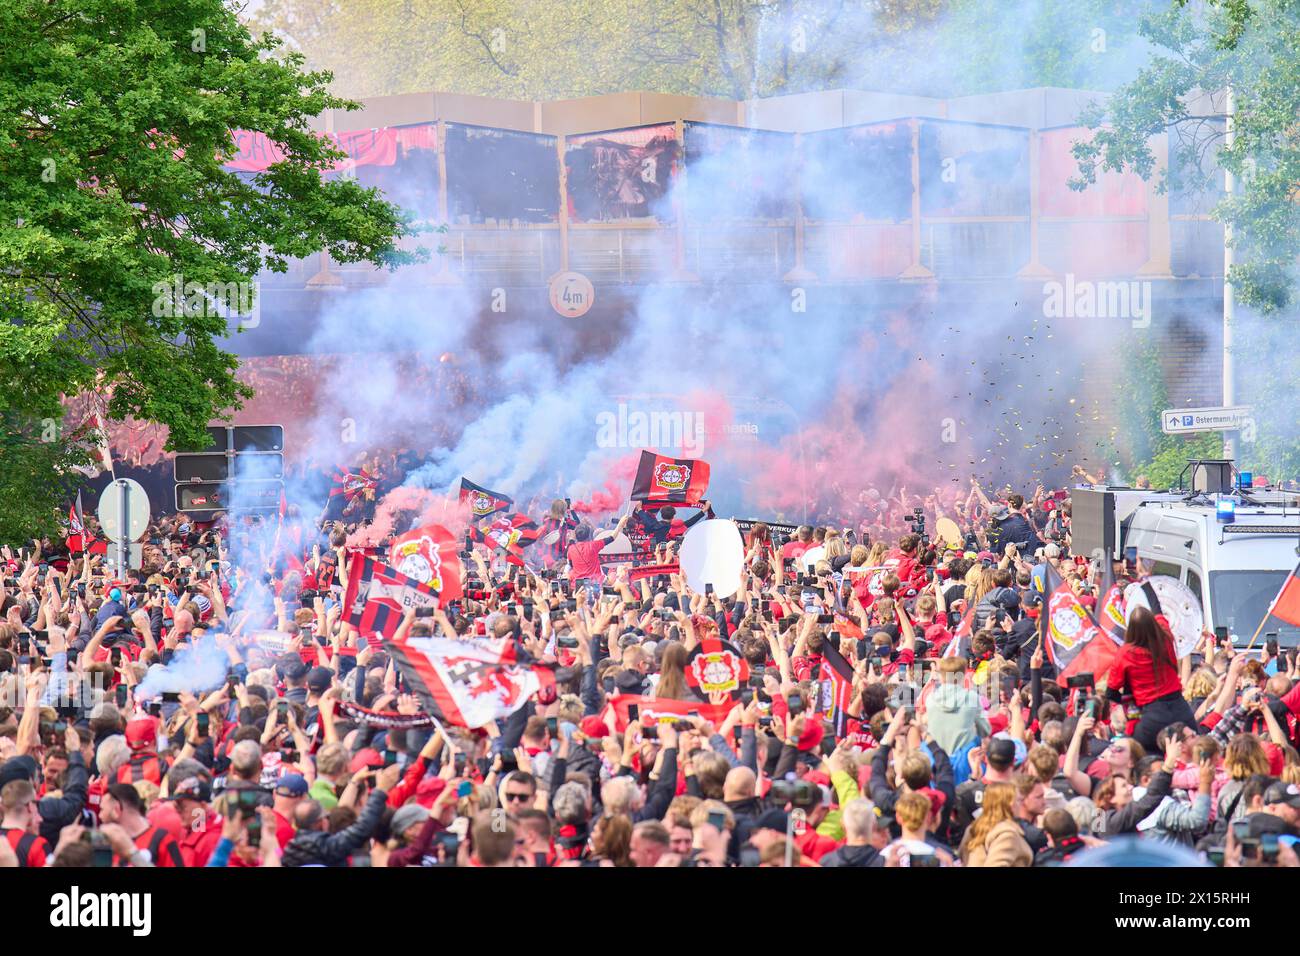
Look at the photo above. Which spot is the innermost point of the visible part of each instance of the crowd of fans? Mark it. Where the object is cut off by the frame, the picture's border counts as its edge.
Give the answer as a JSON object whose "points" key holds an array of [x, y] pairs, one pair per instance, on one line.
{"points": [[297, 742]]}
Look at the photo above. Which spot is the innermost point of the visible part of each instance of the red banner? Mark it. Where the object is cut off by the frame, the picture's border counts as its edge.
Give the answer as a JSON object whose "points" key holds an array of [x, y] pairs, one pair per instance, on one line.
{"points": [[256, 152]]}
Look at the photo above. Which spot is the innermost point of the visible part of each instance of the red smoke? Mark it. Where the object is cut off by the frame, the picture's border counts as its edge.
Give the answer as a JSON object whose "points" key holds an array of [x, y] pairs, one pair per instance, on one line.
{"points": [[410, 508]]}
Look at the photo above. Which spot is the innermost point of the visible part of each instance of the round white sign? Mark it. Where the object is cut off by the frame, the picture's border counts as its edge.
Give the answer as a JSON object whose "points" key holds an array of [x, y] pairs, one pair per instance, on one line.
{"points": [[572, 294], [136, 519]]}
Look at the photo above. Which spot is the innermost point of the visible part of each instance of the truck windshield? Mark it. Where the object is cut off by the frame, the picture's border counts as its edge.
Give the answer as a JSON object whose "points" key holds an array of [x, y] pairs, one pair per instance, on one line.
{"points": [[1240, 599]]}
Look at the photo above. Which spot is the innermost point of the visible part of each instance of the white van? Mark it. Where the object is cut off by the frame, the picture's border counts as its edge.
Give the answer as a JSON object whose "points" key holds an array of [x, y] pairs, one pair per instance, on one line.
{"points": [[1236, 567]]}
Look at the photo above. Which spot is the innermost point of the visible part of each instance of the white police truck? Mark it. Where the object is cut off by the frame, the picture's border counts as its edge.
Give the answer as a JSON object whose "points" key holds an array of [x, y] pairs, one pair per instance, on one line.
{"points": [[1233, 548]]}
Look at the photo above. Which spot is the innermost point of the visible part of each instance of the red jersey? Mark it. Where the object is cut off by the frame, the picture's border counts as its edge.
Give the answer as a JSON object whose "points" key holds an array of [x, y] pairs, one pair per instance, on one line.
{"points": [[37, 848], [795, 548], [1135, 671], [583, 561], [161, 846], [200, 840]]}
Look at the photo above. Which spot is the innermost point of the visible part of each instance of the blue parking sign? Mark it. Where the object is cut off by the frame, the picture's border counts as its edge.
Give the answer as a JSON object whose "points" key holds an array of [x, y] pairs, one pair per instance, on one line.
{"points": [[1187, 421]]}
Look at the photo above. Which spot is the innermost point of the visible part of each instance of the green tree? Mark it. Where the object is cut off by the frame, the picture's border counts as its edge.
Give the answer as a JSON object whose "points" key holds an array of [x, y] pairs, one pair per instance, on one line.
{"points": [[539, 49], [1203, 51], [1248, 47], [116, 118]]}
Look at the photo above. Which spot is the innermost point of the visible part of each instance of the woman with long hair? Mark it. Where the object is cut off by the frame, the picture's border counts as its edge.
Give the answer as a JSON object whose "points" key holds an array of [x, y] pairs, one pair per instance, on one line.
{"points": [[995, 838], [672, 673], [612, 840], [758, 544], [1147, 668]]}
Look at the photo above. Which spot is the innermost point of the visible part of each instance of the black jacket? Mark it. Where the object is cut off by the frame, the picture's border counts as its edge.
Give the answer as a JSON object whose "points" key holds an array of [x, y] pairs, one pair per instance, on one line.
{"points": [[318, 848], [58, 812], [853, 856], [1056, 855], [1013, 529]]}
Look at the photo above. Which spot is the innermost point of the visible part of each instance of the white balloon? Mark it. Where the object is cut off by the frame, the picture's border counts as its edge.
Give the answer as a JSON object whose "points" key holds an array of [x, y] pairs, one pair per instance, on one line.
{"points": [[713, 553], [1178, 603]]}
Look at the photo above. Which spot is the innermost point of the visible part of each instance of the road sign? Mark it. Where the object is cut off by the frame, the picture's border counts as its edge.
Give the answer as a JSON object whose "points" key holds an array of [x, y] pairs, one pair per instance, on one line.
{"points": [[258, 496], [242, 469], [1183, 421], [213, 467], [571, 294], [124, 509], [124, 516], [200, 496], [244, 438], [134, 560]]}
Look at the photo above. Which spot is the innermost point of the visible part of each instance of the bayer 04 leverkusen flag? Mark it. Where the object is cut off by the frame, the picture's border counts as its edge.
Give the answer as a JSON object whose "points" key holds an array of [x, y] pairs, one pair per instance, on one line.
{"points": [[836, 688], [510, 534], [377, 597], [1067, 628], [482, 501], [431, 555], [467, 683], [670, 481], [1110, 607]]}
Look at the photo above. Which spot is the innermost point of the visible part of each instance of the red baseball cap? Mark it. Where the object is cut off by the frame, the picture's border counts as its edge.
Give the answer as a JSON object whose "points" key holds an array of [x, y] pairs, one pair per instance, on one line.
{"points": [[593, 727], [368, 757], [141, 732], [812, 735]]}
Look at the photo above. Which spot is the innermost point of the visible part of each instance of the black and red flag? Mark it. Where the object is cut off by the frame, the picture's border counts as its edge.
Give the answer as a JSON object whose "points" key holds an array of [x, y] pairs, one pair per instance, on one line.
{"points": [[1286, 604], [467, 683], [661, 480], [76, 540], [377, 597], [1110, 606], [354, 489], [509, 533], [716, 666], [482, 501], [836, 688], [1069, 631]]}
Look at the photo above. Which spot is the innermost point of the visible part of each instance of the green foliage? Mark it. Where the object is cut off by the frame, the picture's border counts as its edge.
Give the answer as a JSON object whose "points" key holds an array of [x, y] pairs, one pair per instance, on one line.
{"points": [[1250, 47], [539, 49], [1168, 463], [1140, 397], [115, 119]]}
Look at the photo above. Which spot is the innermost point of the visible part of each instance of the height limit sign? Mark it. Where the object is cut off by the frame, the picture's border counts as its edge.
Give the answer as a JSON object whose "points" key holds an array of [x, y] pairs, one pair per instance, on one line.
{"points": [[571, 294]]}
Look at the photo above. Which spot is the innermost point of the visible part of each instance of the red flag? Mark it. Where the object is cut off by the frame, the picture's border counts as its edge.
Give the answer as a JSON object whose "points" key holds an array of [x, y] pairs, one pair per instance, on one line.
{"points": [[964, 627], [431, 555], [482, 501], [655, 710], [76, 539], [377, 597], [1065, 626], [509, 533], [1286, 606], [836, 688], [670, 481], [1095, 658]]}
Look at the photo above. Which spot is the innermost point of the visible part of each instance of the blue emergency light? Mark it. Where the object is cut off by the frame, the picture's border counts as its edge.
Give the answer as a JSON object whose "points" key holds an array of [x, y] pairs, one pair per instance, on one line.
{"points": [[1226, 511]]}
